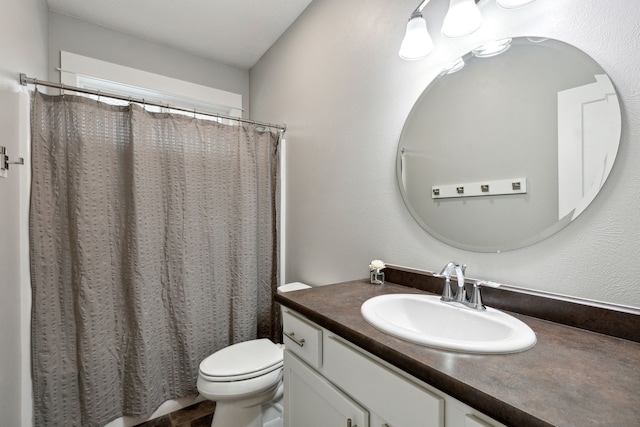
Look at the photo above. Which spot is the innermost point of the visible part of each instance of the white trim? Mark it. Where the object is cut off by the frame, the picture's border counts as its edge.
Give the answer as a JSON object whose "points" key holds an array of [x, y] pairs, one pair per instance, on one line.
{"points": [[82, 71], [283, 211]]}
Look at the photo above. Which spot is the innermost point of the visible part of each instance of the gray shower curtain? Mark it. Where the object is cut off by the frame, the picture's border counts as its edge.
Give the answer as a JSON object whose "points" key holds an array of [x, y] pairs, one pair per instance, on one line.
{"points": [[153, 244]]}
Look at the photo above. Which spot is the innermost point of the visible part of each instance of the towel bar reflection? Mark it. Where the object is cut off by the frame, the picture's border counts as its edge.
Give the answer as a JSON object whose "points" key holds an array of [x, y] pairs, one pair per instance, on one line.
{"points": [[481, 188]]}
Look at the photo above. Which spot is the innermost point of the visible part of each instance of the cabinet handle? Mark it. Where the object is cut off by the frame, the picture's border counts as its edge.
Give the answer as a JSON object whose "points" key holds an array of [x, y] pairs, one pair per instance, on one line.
{"points": [[349, 423], [292, 337]]}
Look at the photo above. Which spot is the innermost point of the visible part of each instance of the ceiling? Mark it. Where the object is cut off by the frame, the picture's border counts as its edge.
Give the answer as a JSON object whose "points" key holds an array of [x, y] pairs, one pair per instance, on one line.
{"points": [[234, 32]]}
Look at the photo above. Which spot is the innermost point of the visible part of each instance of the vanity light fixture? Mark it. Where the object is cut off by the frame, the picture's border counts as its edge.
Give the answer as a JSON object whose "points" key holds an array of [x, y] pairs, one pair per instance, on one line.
{"points": [[417, 42], [537, 39], [452, 67], [492, 48], [462, 19], [513, 4]]}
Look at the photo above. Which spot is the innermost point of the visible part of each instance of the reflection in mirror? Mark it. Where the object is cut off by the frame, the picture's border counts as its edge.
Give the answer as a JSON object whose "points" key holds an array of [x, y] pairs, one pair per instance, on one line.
{"points": [[505, 148]]}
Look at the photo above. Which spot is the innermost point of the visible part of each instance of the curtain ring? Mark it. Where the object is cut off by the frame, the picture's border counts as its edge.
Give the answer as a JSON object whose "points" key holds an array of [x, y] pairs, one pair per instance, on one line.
{"points": [[62, 89], [98, 100], [194, 113]]}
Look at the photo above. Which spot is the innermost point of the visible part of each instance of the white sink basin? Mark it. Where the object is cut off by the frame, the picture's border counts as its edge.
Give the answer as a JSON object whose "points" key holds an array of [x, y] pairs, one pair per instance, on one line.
{"points": [[425, 320]]}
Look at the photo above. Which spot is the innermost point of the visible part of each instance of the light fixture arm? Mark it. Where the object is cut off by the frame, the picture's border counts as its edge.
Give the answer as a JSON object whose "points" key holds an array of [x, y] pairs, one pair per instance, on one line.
{"points": [[423, 3], [421, 6], [463, 18], [416, 43]]}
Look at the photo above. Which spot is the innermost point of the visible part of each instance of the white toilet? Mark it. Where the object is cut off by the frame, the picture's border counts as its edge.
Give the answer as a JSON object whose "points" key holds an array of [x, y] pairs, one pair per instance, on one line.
{"points": [[245, 381]]}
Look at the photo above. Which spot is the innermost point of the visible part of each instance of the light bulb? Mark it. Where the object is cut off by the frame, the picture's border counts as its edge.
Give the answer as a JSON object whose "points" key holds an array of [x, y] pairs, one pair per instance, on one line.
{"points": [[416, 43], [463, 18], [513, 4]]}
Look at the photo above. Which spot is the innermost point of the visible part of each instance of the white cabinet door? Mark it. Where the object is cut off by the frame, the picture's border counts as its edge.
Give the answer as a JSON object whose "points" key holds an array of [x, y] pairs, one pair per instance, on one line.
{"points": [[400, 402], [311, 401]]}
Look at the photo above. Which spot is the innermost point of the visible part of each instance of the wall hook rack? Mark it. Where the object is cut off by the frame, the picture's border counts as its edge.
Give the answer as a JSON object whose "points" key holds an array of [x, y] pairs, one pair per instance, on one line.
{"points": [[4, 162]]}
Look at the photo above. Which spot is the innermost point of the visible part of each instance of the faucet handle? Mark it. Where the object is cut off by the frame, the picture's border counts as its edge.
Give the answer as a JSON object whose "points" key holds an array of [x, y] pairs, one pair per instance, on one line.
{"points": [[476, 297]]}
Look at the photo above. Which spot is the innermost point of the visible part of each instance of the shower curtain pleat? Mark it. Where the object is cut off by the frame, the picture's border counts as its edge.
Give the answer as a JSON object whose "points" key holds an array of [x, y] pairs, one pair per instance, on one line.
{"points": [[153, 244]]}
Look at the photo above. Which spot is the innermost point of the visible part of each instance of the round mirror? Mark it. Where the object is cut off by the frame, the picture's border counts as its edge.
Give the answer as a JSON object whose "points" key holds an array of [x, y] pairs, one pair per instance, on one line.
{"points": [[508, 144]]}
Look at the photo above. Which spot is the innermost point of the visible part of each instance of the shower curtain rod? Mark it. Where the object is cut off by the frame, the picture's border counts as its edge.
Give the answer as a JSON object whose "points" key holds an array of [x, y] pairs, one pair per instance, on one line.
{"points": [[24, 80]]}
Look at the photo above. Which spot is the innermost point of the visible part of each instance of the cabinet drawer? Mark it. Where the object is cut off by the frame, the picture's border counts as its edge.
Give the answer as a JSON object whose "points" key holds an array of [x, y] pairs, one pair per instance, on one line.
{"points": [[399, 401], [302, 338]]}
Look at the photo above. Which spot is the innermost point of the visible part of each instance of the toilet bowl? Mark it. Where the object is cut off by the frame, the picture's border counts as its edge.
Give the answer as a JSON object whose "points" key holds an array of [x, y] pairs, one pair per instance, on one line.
{"points": [[245, 381]]}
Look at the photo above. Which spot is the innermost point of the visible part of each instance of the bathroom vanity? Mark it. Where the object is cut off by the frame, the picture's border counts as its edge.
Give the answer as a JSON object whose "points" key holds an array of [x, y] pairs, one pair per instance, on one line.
{"points": [[330, 382], [341, 371]]}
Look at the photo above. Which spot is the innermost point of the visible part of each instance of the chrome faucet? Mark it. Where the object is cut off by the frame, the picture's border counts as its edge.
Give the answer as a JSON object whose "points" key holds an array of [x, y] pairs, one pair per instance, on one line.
{"points": [[460, 297], [447, 292], [461, 293]]}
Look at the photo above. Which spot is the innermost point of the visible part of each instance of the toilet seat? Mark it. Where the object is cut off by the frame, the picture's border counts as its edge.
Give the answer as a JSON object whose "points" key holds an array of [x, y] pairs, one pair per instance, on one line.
{"points": [[242, 361], [246, 381]]}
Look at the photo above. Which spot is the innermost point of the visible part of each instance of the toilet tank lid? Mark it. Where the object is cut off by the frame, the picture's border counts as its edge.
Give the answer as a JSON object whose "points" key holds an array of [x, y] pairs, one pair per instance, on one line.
{"points": [[242, 358], [294, 286]]}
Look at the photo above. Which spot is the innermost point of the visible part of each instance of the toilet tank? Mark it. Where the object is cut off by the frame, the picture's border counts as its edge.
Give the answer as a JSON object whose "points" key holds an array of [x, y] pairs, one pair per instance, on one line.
{"points": [[294, 286]]}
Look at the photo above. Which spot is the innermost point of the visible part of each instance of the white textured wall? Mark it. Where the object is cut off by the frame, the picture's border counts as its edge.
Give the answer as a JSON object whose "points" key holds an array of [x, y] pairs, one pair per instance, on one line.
{"points": [[336, 80], [23, 49]]}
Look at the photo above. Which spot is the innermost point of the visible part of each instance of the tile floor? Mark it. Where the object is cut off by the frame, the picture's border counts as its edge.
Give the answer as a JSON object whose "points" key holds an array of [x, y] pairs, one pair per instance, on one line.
{"points": [[196, 415]]}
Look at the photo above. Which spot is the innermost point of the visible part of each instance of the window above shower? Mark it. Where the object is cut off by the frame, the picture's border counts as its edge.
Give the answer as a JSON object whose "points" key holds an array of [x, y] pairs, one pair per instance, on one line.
{"points": [[97, 75]]}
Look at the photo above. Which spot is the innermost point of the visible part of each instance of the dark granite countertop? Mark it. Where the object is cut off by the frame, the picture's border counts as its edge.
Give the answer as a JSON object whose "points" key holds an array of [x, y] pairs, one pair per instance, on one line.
{"points": [[571, 377]]}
